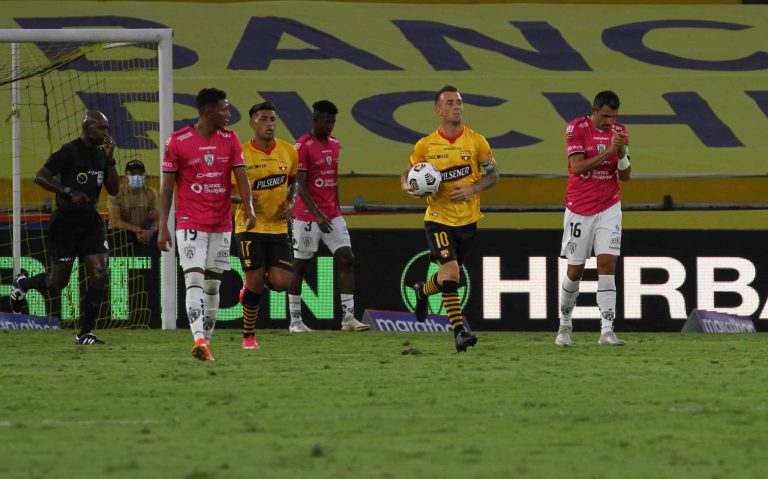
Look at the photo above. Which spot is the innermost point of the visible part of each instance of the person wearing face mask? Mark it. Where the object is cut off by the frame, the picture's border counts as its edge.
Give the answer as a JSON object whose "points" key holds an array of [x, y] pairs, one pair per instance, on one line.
{"points": [[134, 208]]}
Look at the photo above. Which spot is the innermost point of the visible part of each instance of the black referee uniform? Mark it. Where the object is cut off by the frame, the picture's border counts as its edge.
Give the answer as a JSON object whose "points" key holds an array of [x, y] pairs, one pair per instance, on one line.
{"points": [[77, 231]]}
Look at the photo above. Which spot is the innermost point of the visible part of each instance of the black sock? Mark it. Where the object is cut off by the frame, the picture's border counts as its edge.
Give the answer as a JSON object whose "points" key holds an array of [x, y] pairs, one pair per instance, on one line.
{"points": [[91, 306], [36, 282]]}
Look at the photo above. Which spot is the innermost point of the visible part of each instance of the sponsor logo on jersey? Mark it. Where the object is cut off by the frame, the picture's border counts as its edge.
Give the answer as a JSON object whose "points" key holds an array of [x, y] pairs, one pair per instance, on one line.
{"points": [[436, 157], [600, 148], [456, 173], [82, 178], [209, 174], [329, 159], [270, 182], [196, 187], [466, 155], [282, 166], [569, 129]]}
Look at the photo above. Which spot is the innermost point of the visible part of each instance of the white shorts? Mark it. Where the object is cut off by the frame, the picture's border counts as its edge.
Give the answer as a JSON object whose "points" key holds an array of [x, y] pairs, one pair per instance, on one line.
{"points": [[307, 236], [198, 249], [600, 233]]}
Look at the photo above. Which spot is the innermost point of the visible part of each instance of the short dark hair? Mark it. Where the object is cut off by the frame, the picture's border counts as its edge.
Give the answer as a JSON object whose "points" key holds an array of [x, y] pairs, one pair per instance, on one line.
{"points": [[209, 97], [606, 97], [324, 107], [443, 90], [265, 105]]}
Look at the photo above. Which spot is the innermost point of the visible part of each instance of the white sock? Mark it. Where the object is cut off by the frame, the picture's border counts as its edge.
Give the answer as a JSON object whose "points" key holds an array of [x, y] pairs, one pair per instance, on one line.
{"points": [[569, 291], [606, 301], [347, 306], [195, 304], [211, 301], [294, 307]]}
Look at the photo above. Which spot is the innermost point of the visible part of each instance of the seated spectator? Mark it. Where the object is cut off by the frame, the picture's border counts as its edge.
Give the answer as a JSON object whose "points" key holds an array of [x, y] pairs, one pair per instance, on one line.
{"points": [[135, 207]]}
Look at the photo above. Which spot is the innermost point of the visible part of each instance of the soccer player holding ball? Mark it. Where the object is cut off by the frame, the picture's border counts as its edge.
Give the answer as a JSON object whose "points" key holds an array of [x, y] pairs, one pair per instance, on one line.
{"points": [[467, 167], [199, 161], [598, 157]]}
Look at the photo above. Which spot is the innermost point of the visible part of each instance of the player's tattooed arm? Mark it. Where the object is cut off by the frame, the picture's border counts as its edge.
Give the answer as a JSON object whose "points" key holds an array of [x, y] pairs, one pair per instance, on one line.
{"points": [[491, 177]]}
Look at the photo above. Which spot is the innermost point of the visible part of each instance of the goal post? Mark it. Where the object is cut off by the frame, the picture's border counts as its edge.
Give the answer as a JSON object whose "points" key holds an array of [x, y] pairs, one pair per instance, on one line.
{"points": [[162, 39]]}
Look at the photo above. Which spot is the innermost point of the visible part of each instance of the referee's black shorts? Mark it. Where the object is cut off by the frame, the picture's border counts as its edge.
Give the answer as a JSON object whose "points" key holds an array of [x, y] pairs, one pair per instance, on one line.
{"points": [[76, 234]]}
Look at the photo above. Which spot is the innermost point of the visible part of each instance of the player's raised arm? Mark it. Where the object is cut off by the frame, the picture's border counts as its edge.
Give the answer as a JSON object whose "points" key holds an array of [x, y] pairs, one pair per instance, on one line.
{"points": [[623, 167]]}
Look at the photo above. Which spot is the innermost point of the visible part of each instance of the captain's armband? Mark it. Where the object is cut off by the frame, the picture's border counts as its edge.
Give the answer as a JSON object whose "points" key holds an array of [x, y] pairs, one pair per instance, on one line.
{"points": [[489, 164]]}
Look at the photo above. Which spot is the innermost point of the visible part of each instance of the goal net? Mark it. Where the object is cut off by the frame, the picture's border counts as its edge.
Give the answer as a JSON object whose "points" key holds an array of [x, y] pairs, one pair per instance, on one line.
{"points": [[48, 80]]}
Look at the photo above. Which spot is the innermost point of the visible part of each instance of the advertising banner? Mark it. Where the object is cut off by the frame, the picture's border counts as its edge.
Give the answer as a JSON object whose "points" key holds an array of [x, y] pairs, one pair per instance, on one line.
{"points": [[510, 281]]}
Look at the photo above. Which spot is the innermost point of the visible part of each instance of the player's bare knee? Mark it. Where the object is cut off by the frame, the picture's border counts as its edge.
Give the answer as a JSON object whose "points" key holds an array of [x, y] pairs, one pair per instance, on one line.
{"points": [[279, 281], [255, 283], [98, 278], [575, 272], [448, 272], [344, 257], [606, 264], [214, 274]]}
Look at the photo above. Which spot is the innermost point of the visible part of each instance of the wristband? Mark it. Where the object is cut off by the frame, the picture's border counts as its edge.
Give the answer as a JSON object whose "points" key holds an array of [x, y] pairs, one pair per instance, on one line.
{"points": [[623, 163]]}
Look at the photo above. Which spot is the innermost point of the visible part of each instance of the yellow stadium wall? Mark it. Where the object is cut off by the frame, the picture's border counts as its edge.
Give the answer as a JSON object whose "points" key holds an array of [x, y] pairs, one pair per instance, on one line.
{"points": [[505, 94]]}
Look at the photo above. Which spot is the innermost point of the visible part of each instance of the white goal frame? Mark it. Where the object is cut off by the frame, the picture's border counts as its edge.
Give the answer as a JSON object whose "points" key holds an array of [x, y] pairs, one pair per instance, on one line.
{"points": [[163, 38]]}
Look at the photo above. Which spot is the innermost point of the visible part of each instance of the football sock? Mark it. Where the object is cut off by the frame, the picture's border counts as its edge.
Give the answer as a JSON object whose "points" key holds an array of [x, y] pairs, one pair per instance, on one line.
{"points": [[430, 287], [606, 301], [91, 306], [211, 302], [36, 282], [452, 305], [250, 312], [195, 304], [569, 291], [347, 306], [294, 307]]}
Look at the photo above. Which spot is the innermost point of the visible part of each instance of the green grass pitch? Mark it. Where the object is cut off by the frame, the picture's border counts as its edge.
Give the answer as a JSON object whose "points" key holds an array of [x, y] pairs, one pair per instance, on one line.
{"points": [[383, 405]]}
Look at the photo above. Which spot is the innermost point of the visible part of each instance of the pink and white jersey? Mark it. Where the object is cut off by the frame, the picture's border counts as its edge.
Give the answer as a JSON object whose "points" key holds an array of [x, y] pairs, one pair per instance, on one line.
{"points": [[203, 170], [598, 189], [321, 162]]}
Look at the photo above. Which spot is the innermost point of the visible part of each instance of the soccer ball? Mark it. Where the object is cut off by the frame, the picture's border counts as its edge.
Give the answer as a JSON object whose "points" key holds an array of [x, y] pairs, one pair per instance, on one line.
{"points": [[424, 179]]}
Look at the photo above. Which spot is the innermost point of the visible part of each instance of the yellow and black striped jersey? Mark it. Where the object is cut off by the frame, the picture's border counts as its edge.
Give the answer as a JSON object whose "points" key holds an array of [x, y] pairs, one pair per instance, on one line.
{"points": [[269, 172], [458, 160]]}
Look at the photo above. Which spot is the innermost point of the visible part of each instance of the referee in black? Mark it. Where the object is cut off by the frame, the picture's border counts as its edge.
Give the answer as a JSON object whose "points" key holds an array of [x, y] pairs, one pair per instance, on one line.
{"points": [[76, 173]]}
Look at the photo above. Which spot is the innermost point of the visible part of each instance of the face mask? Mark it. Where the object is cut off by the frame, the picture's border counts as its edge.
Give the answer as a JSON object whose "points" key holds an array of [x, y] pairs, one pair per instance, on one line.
{"points": [[136, 182]]}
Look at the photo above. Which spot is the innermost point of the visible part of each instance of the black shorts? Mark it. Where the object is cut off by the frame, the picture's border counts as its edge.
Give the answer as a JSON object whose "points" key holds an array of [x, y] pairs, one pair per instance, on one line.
{"points": [[262, 249], [76, 234], [449, 243]]}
